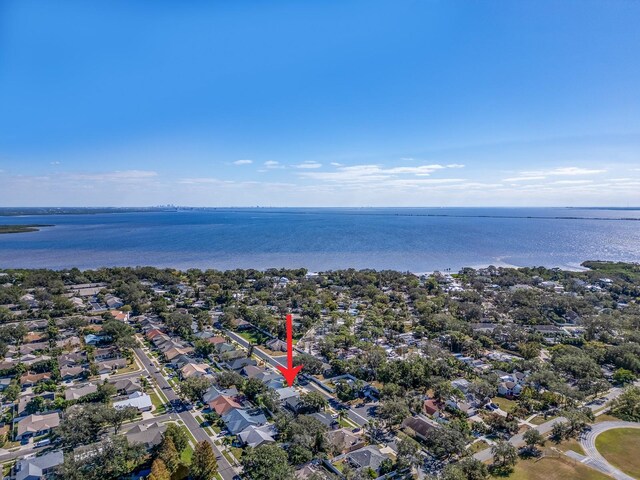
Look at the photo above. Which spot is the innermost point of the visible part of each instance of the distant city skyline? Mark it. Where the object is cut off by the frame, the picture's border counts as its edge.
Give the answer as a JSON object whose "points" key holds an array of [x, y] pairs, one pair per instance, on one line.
{"points": [[355, 103]]}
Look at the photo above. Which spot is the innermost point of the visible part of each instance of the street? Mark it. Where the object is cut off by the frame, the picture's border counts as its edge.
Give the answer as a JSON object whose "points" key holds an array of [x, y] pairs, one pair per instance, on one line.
{"points": [[225, 469]]}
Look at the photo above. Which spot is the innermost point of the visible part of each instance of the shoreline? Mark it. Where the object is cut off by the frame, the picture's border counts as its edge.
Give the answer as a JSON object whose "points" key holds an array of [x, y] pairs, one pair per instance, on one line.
{"points": [[27, 228]]}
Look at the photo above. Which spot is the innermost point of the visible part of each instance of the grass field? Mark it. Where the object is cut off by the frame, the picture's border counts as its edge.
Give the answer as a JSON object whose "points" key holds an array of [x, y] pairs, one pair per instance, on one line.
{"points": [[254, 336], [621, 447], [504, 403], [556, 468]]}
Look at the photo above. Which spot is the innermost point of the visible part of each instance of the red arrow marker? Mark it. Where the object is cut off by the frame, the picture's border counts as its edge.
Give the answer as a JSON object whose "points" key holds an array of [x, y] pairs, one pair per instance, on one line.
{"points": [[289, 372]]}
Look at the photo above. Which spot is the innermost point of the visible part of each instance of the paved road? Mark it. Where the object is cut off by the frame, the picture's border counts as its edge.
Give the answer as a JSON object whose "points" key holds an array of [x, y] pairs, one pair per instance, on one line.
{"points": [[594, 458], [224, 467], [353, 415], [518, 440]]}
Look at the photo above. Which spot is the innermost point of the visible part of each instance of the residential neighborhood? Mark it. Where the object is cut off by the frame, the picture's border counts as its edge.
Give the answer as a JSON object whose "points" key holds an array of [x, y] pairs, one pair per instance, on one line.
{"points": [[403, 376]]}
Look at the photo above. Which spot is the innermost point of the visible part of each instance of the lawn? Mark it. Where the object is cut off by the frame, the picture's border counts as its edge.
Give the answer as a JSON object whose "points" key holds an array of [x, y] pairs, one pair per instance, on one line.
{"points": [[253, 336], [539, 420], [571, 445], [477, 446], [621, 447], [157, 403], [504, 403], [557, 468]]}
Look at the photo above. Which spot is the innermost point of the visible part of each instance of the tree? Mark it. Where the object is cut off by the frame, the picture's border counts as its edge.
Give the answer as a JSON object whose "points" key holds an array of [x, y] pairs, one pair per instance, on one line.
{"points": [[203, 463], [252, 388], [111, 459], [533, 438], [408, 453], [194, 388], [177, 435], [266, 462], [159, 471], [228, 379], [168, 453], [623, 376], [393, 412], [313, 402], [627, 405], [115, 417], [466, 469], [445, 442], [505, 455], [121, 334]]}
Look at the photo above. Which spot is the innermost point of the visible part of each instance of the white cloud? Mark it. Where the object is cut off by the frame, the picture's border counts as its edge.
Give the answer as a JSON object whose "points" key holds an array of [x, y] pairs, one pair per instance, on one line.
{"points": [[308, 165], [243, 162], [336, 164], [455, 165], [201, 181], [117, 176], [564, 171], [522, 179], [272, 165], [571, 182]]}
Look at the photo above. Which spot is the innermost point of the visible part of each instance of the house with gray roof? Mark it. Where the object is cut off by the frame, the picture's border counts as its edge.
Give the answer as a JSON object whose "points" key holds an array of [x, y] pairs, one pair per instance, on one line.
{"points": [[37, 468], [237, 420]]}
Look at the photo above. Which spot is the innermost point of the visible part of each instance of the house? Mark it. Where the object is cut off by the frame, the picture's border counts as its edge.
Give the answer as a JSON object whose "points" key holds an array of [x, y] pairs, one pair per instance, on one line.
{"points": [[108, 366], [237, 420], [173, 352], [33, 347], [240, 324], [139, 400], [105, 353], [194, 370], [254, 436], [289, 397], [113, 302], [239, 363], [509, 389], [30, 379], [216, 340], [148, 435], [93, 339], [326, 419], [312, 469], [214, 392], [223, 347], [371, 457], [4, 383], [37, 468], [223, 405], [420, 425], [461, 384], [36, 425], [461, 405], [79, 392], [151, 334], [276, 345], [431, 407], [68, 373], [126, 386], [344, 440]]}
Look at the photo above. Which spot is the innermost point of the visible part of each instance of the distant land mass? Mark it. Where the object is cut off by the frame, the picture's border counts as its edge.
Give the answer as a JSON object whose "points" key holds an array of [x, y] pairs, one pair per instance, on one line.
{"points": [[21, 228], [19, 211]]}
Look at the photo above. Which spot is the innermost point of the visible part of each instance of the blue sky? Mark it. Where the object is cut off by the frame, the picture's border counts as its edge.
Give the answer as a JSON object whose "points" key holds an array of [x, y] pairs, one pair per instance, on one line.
{"points": [[314, 103]]}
